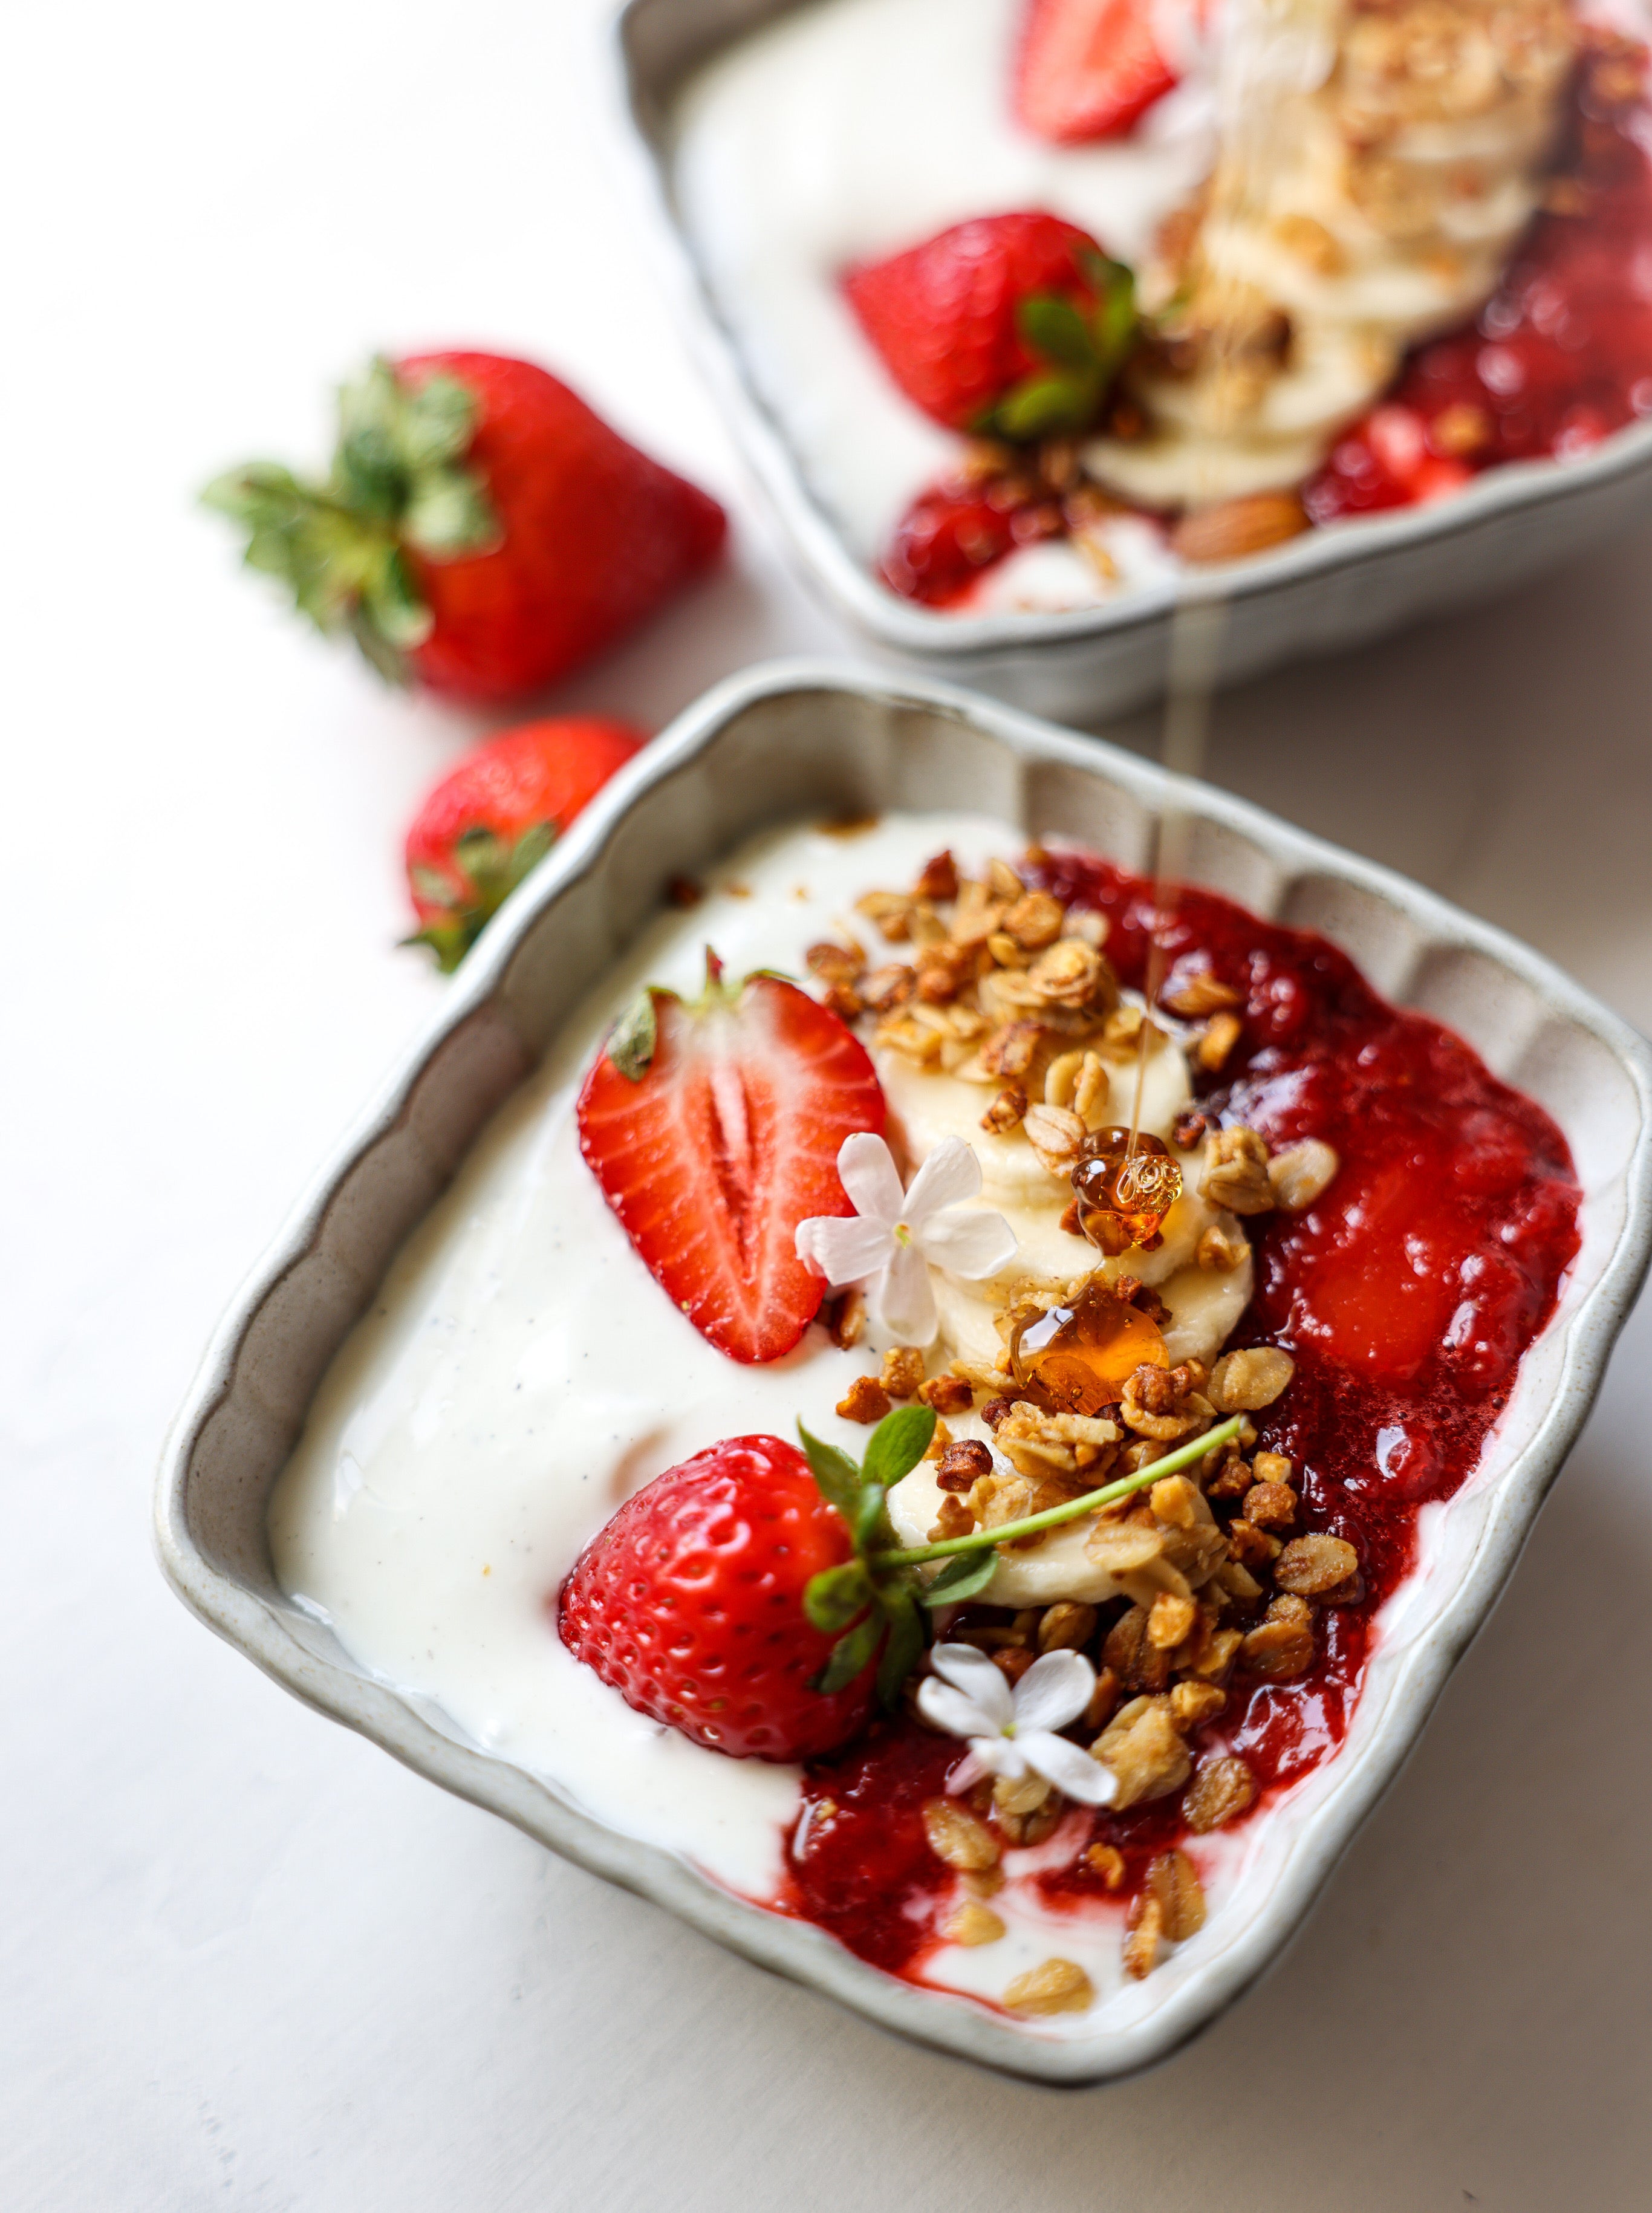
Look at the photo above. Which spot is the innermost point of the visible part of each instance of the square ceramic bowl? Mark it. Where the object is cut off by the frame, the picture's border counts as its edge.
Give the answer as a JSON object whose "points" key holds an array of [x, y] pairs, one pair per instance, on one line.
{"points": [[798, 741], [1328, 589]]}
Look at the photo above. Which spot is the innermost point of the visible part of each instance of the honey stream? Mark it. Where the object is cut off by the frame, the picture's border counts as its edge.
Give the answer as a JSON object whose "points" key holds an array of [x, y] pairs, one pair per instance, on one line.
{"points": [[1268, 48]]}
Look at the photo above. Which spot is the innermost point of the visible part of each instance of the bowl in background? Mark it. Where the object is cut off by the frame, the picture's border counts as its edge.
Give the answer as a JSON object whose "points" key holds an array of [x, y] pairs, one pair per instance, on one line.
{"points": [[1329, 588]]}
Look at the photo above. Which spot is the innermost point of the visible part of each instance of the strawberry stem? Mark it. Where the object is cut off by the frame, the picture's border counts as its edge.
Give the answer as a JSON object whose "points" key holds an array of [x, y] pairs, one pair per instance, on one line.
{"points": [[485, 871], [1052, 1516], [399, 484]]}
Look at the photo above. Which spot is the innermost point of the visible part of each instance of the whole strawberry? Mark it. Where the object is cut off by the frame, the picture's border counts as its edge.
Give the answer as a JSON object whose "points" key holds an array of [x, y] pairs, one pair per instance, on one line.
{"points": [[1008, 326], [480, 531], [488, 821], [690, 1604]]}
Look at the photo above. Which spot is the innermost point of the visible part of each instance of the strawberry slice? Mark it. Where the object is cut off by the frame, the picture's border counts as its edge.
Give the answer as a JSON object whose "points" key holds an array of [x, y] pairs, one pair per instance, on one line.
{"points": [[1089, 69], [713, 1130]]}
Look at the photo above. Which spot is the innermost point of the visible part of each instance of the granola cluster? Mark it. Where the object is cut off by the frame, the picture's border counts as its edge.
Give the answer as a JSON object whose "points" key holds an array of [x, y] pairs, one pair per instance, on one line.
{"points": [[1218, 1584], [1003, 986], [1006, 987]]}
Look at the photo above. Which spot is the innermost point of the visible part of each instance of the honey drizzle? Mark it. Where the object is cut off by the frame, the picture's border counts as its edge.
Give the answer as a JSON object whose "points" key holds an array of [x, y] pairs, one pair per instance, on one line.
{"points": [[1266, 47], [1197, 624]]}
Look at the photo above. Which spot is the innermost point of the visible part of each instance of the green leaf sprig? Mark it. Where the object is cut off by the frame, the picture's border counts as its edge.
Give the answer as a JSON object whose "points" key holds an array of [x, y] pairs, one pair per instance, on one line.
{"points": [[876, 1597], [870, 1605], [1081, 354]]}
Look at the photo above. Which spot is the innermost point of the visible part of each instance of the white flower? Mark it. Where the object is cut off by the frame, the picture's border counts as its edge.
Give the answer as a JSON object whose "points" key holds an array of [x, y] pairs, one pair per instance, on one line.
{"points": [[888, 1243], [1010, 1733]]}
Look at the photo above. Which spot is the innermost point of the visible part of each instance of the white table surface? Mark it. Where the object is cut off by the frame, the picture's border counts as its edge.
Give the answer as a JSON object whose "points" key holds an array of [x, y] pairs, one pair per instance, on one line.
{"points": [[248, 1960]]}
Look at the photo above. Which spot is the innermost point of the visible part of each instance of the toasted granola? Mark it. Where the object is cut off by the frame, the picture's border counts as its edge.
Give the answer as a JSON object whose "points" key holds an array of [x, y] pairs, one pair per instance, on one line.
{"points": [[998, 983]]}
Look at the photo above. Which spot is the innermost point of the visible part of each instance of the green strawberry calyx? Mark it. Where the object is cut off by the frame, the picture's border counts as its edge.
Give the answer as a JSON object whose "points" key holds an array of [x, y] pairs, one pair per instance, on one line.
{"points": [[1079, 356], [632, 1042], [486, 872], [871, 1609], [398, 484]]}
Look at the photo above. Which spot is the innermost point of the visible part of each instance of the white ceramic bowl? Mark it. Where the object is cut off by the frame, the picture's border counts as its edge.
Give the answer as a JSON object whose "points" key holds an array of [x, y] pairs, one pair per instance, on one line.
{"points": [[799, 739], [1328, 589]]}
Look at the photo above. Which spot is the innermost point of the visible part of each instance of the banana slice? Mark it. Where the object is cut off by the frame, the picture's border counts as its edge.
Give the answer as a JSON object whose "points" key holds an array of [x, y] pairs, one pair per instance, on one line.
{"points": [[1050, 1256], [926, 1105], [1356, 206], [1205, 1304], [1059, 1569]]}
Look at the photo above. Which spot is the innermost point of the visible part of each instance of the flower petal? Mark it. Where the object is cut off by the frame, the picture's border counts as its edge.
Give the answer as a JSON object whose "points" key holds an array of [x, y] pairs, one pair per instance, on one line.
{"points": [[867, 1171], [968, 1241], [951, 1709], [951, 1173], [1054, 1691], [999, 1755], [1068, 1767], [904, 1300], [975, 1675], [843, 1247], [968, 1771]]}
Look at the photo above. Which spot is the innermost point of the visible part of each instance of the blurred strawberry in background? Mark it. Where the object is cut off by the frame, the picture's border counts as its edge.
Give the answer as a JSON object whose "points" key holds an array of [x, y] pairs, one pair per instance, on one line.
{"points": [[1089, 69], [1010, 325], [488, 821], [480, 530]]}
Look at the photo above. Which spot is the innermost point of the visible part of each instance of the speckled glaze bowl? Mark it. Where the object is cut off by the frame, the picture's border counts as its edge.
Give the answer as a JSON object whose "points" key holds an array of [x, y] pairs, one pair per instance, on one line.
{"points": [[1326, 589], [799, 739]]}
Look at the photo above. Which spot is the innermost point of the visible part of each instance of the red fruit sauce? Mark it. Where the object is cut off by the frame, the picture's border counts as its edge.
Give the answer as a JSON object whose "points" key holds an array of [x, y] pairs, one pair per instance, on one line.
{"points": [[1558, 359], [1406, 1295]]}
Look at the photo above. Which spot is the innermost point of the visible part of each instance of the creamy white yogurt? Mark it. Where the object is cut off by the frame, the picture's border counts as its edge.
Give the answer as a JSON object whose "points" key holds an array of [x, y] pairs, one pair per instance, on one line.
{"points": [[1053, 575]]}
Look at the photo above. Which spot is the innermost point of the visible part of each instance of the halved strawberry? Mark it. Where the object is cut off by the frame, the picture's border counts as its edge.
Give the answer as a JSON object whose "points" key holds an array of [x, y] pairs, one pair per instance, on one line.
{"points": [[713, 1130], [1088, 69]]}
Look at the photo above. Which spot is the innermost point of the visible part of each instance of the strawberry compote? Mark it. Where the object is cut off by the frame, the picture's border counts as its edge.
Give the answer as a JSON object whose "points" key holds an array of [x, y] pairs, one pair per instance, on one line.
{"points": [[1406, 1295], [1560, 356]]}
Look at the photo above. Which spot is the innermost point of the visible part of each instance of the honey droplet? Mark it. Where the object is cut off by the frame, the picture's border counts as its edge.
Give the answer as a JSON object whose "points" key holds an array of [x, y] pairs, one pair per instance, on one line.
{"points": [[1080, 1358], [1124, 1196]]}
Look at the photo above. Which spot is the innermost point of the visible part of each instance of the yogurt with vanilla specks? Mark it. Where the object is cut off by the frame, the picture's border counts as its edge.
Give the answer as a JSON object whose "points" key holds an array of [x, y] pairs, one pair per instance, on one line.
{"points": [[521, 1374]]}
